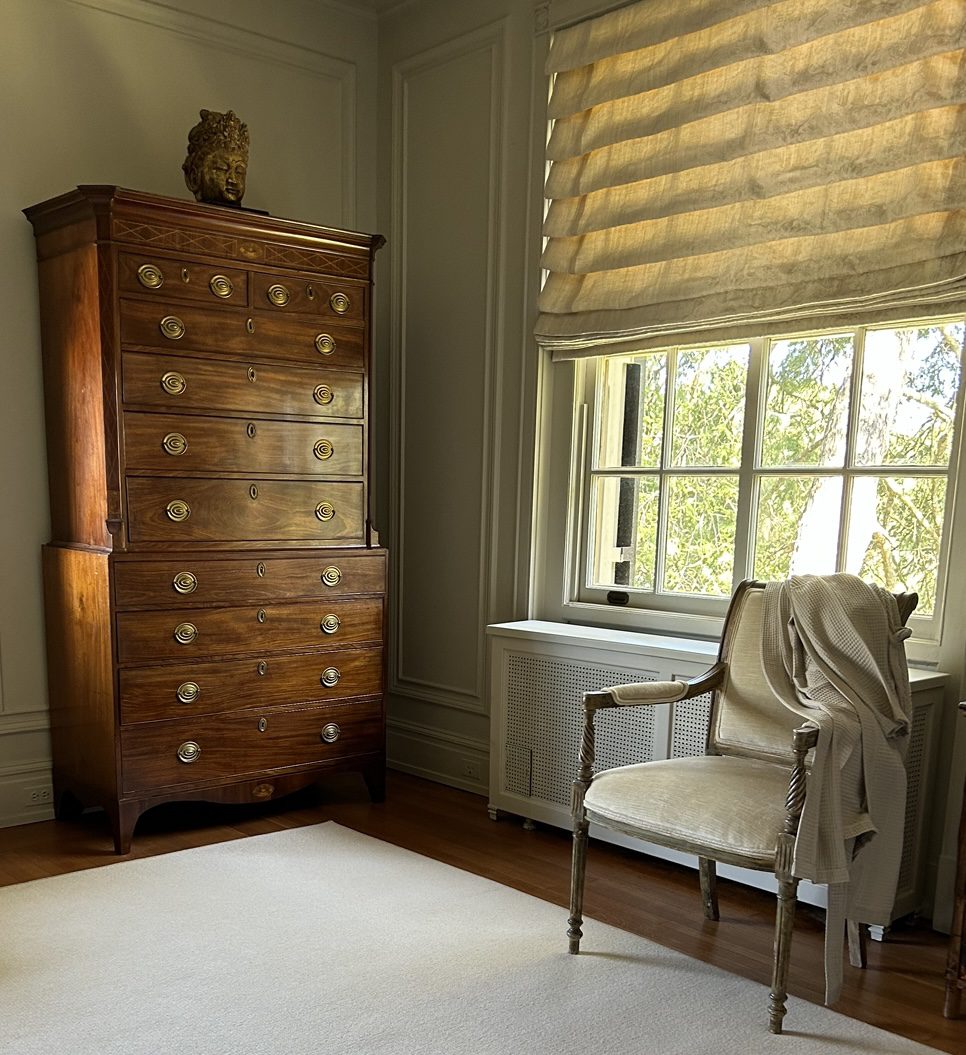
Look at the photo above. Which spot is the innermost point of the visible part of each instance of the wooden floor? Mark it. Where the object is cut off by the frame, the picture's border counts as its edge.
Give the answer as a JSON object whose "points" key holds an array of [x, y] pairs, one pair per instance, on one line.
{"points": [[901, 990]]}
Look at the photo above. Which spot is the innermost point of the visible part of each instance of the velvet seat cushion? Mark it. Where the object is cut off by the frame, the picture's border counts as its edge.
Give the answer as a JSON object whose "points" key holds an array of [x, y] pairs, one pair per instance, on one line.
{"points": [[726, 804]]}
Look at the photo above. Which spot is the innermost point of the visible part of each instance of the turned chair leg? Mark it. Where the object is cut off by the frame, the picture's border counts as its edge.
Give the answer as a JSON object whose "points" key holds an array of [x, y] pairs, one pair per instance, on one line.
{"points": [[709, 887], [784, 923], [857, 945], [577, 870]]}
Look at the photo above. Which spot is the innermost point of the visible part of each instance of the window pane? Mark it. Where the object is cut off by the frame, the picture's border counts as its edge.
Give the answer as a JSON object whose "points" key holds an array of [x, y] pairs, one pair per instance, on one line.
{"points": [[807, 401], [625, 539], [709, 406], [700, 548], [798, 526], [895, 531], [632, 420], [909, 382]]}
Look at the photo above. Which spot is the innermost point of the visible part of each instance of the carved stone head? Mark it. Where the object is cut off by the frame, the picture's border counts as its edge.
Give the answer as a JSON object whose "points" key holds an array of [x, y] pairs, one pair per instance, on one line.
{"points": [[217, 160]]}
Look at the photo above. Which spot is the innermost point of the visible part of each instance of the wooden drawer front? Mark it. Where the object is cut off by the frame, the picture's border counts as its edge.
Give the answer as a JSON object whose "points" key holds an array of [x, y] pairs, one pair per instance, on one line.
{"points": [[232, 745], [181, 279], [328, 298], [180, 383], [168, 442], [152, 584], [151, 693], [198, 633], [236, 333], [225, 511]]}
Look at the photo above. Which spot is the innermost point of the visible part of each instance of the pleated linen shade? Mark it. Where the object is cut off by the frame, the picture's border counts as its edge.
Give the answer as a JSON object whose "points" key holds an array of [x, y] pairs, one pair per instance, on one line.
{"points": [[723, 169]]}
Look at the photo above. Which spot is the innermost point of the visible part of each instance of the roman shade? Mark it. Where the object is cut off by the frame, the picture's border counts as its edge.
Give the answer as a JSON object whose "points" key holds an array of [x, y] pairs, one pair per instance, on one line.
{"points": [[723, 169]]}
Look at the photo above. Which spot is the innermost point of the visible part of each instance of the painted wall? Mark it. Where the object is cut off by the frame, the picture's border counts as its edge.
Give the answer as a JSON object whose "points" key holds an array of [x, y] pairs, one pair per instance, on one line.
{"points": [[105, 91]]}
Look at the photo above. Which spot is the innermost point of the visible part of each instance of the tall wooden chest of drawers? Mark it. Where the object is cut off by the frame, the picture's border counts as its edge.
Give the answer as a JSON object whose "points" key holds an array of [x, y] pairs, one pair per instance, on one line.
{"points": [[214, 589]]}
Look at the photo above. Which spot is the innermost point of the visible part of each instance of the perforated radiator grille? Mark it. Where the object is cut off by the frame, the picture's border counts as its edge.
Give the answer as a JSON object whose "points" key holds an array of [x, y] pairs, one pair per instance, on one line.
{"points": [[915, 760]]}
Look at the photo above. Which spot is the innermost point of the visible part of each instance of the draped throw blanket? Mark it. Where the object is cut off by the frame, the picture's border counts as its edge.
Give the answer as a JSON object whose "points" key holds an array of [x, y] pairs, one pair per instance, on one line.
{"points": [[833, 651]]}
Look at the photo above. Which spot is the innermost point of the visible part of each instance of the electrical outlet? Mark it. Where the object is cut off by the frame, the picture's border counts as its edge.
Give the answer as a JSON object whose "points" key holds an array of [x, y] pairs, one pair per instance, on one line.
{"points": [[39, 796], [471, 769]]}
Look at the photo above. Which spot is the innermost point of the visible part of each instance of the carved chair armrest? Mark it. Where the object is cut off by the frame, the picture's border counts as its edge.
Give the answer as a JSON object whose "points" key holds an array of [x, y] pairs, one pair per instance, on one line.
{"points": [[647, 693]]}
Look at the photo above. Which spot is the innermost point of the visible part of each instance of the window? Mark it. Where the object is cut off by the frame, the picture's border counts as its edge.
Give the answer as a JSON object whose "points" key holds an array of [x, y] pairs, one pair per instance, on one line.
{"points": [[826, 452]]}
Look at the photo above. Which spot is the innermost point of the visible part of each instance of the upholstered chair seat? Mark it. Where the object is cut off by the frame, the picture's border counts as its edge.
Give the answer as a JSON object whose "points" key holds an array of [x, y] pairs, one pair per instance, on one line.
{"points": [[727, 808]]}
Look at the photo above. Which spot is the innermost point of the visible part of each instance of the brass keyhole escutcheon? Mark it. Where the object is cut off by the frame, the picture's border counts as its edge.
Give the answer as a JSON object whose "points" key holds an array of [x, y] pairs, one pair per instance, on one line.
{"points": [[330, 733], [253, 491], [260, 569], [185, 277], [325, 511], [323, 395], [323, 449], [262, 668], [188, 691], [325, 343], [310, 291], [172, 327], [251, 374], [261, 616], [174, 444], [339, 303], [330, 623], [185, 633], [221, 286], [150, 276], [178, 510], [330, 676], [185, 582], [250, 325], [189, 751], [173, 383], [278, 295], [262, 724], [331, 576], [251, 430]]}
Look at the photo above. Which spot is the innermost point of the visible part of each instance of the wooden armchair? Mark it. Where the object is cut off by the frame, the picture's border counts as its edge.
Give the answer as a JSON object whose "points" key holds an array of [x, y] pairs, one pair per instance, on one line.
{"points": [[740, 803]]}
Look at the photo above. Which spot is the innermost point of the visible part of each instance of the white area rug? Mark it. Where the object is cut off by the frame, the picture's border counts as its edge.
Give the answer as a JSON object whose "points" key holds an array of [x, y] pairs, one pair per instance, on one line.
{"points": [[320, 940]]}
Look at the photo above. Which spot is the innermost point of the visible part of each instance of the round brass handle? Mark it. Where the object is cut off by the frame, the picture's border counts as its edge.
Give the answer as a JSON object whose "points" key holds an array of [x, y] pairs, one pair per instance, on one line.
{"points": [[189, 751], [325, 343], [185, 582], [339, 303], [221, 286], [331, 576], [262, 668], [150, 276], [189, 691], [330, 733], [330, 676], [323, 395], [323, 449], [260, 569], [185, 633], [278, 295], [262, 724], [173, 383], [325, 511], [171, 327], [174, 444], [178, 510], [261, 615], [330, 623]]}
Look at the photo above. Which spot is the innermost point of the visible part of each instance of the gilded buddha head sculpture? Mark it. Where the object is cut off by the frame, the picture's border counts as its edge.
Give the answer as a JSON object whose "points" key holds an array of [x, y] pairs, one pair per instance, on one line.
{"points": [[217, 160]]}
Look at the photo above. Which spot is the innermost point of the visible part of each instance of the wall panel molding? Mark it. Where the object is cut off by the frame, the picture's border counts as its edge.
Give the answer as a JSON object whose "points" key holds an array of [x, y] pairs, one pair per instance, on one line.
{"points": [[439, 755], [489, 40]]}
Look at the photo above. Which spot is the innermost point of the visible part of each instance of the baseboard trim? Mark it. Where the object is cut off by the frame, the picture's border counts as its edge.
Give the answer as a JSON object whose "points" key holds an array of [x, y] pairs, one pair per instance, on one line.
{"points": [[26, 793]]}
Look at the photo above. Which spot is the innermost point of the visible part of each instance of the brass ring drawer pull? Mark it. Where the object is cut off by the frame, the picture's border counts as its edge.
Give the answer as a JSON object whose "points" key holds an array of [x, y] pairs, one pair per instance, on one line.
{"points": [[178, 510], [174, 444], [261, 615], [189, 691], [325, 511], [262, 724], [330, 733], [331, 576], [325, 343], [330, 676], [185, 582], [221, 286], [323, 395], [185, 633], [173, 383], [172, 327], [330, 623], [278, 295], [323, 449], [189, 751], [339, 303], [262, 668], [150, 276]]}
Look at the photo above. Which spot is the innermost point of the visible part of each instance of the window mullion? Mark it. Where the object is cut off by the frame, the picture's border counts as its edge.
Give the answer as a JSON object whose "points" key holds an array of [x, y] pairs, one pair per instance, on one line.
{"points": [[754, 404], [851, 438], [659, 554]]}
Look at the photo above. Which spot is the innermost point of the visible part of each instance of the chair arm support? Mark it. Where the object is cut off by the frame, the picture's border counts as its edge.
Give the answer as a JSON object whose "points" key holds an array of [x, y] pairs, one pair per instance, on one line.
{"points": [[647, 693]]}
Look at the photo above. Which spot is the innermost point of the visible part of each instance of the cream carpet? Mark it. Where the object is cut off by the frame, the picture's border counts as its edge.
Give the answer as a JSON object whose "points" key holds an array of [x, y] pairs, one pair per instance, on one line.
{"points": [[320, 940]]}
